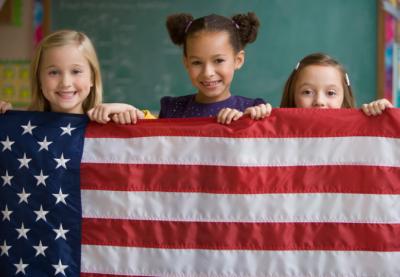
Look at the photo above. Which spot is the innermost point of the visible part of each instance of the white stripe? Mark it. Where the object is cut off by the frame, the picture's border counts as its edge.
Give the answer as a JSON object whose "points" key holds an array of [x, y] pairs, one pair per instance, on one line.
{"points": [[193, 263], [314, 207], [253, 151]]}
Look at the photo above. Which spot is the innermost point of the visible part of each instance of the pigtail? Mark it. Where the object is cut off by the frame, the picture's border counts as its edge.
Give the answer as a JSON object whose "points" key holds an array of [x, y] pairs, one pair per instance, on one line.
{"points": [[177, 25], [248, 25]]}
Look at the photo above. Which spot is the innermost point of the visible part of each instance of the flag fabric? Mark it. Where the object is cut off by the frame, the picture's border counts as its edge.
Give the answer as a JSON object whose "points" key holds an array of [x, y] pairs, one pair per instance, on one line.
{"points": [[301, 193], [40, 194]]}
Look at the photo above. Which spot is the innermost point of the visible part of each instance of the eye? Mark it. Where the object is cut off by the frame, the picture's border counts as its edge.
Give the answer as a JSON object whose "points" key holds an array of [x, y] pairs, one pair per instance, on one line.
{"points": [[331, 93], [53, 72], [218, 61], [307, 92], [195, 63], [76, 71]]}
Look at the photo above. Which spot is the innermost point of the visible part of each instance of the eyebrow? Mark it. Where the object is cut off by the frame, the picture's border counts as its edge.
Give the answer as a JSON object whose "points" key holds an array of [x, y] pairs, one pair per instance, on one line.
{"points": [[75, 64], [214, 56], [311, 85]]}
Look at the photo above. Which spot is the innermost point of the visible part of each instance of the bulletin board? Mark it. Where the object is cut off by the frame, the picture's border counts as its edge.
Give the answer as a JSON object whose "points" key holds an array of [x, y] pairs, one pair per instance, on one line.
{"points": [[389, 51], [14, 82]]}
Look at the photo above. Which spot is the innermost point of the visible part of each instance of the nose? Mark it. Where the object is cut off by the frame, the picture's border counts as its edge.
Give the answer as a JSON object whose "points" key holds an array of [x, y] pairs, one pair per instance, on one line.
{"points": [[319, 100], [208, 70], [66, 80]]}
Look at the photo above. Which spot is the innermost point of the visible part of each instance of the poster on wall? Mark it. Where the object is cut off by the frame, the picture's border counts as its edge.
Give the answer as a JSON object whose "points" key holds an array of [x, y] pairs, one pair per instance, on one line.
{"points": [[14, 82], [391, 51]]}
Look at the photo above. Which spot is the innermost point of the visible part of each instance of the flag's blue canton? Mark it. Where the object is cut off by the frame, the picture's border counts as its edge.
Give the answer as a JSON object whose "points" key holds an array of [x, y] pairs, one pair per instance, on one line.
{"points": [[40, 220]]}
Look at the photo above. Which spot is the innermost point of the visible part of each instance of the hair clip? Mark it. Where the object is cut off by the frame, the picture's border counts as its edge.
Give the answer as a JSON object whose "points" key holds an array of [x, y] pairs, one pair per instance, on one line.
{"points": [[347, 79], [297, 66], [188, 26], [236, 25]]}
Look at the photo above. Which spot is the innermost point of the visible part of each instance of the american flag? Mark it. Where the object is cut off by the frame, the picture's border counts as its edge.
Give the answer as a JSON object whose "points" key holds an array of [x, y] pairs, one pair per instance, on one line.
{"points": [[40, 197], [301, 193]]}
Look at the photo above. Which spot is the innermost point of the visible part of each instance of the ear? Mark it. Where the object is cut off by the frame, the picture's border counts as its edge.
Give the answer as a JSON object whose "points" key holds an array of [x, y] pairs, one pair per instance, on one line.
{"points": [[239, 59]]}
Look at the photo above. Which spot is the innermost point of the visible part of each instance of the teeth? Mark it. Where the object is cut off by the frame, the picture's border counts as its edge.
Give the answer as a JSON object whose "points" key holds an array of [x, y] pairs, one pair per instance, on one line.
{"points": [[211, 83]]}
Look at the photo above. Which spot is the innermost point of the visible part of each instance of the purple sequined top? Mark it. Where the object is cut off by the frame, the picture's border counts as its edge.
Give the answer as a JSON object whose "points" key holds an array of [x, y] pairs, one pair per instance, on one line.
{"points": [[186, 106]]}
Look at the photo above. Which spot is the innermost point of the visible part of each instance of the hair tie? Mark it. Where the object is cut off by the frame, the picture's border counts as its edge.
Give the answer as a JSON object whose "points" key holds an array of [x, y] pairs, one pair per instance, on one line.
{"points": [[235, 24], [188, 26], [347, 80], [297, 66]]}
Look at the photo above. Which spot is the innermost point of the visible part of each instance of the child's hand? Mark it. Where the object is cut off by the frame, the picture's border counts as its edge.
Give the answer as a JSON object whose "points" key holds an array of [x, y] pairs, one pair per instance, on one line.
{"points": [[376, 107], [226, 115], [4, 106], [259, 112], [117, 112]]}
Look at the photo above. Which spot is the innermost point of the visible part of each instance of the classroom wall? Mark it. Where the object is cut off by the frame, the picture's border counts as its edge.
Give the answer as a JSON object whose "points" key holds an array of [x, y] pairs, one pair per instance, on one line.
{"points": [[17, 41], [16, 48], [140, 64]]}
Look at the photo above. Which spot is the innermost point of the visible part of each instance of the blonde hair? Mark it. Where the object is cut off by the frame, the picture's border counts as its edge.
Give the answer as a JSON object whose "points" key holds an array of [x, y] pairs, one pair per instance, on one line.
{"points": [[59, 39], [316, 59]]}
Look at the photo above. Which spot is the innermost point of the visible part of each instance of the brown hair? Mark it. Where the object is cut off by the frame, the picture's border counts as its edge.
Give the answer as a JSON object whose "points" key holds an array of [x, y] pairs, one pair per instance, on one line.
{"points": [[58, 39], [316, 59], [242, 28]]}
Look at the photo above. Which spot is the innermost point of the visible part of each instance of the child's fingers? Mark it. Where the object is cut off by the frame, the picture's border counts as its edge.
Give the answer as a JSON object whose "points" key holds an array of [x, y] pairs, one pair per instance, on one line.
{"points": [[95, 115], [232, 115], [133, 116], [268, 109], [252, 112], [222, 114], [375, 110], [139, 114], [4, 106], [365, 109], [376, 107], [92, 113], [121, 118], [260, 112], [127, 117], [115, 118]]}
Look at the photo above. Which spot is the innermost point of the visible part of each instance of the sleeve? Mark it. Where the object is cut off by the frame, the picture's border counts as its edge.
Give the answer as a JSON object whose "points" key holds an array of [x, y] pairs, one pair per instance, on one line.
{"points": [[259, 101], [164, 103]]}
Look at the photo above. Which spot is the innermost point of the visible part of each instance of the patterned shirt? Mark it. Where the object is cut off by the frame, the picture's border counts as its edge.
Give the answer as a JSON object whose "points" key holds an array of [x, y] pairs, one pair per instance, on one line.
{"points": [[186, 106]]}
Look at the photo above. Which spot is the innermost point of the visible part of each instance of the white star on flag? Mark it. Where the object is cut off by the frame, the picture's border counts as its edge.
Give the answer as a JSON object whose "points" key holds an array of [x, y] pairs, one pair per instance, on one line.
{"points": [[28, 128], [40, 249], [6, 214], [4, 248], [7, 179], [61, 232], [41, 178], [20, 267], [41, 214], [22, 231], [61, 161], [7, 144], [59, 268], [67, 130], [60, 197], [23, 196], [24, 161], [44, 144]]}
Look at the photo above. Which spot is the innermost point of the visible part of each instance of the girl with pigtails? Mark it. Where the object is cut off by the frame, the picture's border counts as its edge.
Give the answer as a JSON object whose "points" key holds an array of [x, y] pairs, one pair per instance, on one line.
{"points": [[213, 49]]}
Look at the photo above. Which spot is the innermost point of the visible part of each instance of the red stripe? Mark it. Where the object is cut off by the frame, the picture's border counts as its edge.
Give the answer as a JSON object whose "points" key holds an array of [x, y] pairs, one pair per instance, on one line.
{"points": [[226, 179], [245, 236], [282, 123]]}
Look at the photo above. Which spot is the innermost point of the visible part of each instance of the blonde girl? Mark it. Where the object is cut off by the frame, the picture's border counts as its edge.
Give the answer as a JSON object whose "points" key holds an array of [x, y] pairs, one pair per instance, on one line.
{"points": [[65, 77]]}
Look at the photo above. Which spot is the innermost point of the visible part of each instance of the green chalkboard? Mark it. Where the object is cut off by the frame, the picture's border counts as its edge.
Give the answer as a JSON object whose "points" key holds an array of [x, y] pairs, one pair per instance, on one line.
{"points": [[140, 64]]}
